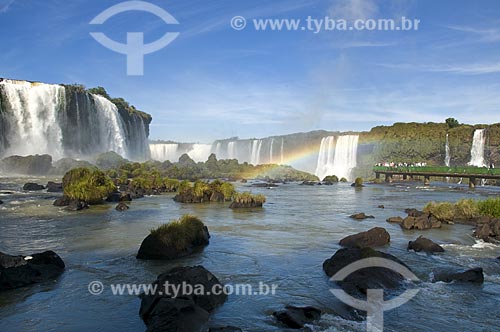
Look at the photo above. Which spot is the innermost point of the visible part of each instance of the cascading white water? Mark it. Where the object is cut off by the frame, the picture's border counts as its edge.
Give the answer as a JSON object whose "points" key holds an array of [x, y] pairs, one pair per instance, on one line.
{"points": [[337, 159], [282, 152], [447, 158], [256, 147], [218, 150], [231, 150], [37, 118], [112, 130], [164, 151], [477, 150], [34, 121], [271, 151]]}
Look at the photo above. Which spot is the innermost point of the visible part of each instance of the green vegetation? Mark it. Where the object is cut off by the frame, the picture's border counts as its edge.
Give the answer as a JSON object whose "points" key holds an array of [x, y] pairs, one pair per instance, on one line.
{"points": [[465, 170], [201, 191], [343, 180], [464, 209], [247, 198], [358, 182], [86, 184], [182, 233]]}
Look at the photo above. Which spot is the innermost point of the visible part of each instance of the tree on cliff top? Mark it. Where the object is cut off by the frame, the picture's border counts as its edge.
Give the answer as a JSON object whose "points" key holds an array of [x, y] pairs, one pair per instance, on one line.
{"points": [[452, 123]]}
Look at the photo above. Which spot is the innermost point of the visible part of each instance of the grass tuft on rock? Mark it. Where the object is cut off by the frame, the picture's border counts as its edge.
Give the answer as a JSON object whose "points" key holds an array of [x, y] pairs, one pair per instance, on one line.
{"points": [[182, 233], [464, 209], [88, 185]]}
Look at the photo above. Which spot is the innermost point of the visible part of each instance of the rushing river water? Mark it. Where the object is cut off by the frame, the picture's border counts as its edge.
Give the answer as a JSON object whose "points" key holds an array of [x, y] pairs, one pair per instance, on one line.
{"points": [[285, 244]]}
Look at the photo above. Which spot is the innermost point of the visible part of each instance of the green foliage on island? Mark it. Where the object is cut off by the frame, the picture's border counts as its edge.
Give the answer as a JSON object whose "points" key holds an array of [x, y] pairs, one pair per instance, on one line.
{"points": [[181, 233], [464, 209], [249, 198], [88, 185], [343, 180], [358, 182], [202, 191]]}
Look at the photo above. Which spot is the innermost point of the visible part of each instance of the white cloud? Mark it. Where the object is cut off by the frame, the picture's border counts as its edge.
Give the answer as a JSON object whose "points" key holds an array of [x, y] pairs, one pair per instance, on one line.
{"points": [[463, 69], [354, 9]]}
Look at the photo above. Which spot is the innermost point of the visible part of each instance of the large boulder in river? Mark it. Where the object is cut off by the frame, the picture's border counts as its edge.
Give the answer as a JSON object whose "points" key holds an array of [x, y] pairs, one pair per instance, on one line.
{"points": [[177, 239], [30, 186], [122, 207], [53, 187], [168, 311], [395, 220], [375, 237], [359, 281], [474, 276], [422, 222], [488, 230], [425, 245], [20, 271], [361, 216], [297, 317]]}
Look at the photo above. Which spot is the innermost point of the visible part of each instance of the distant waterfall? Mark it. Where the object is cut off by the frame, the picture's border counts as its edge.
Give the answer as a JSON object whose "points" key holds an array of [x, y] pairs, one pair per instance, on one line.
{"points": [[231, 150], [271, 151], [38, 118], [164, 151], [255, 156], [447, 158], [477, 151], [337, 159], [200, 152], [282, 153]]}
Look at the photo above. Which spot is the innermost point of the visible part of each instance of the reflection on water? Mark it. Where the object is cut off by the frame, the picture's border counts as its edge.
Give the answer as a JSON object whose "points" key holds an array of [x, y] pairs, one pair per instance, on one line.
{"points": [[285, 243]]}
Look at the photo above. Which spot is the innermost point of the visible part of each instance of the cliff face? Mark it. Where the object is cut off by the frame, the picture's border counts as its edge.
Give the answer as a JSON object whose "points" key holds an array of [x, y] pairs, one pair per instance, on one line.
{"points": [[67, 121]]}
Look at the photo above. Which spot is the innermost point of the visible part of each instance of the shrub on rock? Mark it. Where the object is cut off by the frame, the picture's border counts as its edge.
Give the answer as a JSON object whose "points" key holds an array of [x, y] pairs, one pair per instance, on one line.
{"points": [[88, 185], [177, 239], [247, 200]]}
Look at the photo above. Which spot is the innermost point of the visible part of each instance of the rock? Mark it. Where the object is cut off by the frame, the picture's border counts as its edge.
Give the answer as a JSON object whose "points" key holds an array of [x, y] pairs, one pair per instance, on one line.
{"points": [[381, 207], [154, 247], [122, 207], [425, 245], [29, 165], [309, 183], [297, 317], [77, 205], [63, 201], [422, 222], [20, 271], [53, 187], [185, 312], [395, 220], [1, 202], [265, 185], [414, 213], [368, 278], [375, 237], [474, 276], [361, 216], [116, 197], [33, 187], [245, 205], [488, 231], [225, 329]]}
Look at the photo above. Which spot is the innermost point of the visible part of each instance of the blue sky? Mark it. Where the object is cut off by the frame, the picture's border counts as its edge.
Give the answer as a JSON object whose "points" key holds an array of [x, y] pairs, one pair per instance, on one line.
{"points": [[214, 82]]}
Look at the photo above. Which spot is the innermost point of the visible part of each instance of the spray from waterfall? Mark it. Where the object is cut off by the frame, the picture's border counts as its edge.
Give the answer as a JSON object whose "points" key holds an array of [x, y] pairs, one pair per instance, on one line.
{"points": [[271, 151], [282, 153], [447, 158]]}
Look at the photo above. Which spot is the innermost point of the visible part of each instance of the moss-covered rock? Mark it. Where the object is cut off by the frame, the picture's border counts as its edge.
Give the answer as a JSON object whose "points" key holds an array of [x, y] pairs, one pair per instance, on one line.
{"points": [[177, 239], [247, 200], [88, 185]]}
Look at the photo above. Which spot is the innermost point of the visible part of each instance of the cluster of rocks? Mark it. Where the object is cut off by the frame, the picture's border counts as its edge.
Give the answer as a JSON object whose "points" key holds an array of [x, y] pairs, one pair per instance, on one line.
{"points": [[488, 229], [416, 220]]}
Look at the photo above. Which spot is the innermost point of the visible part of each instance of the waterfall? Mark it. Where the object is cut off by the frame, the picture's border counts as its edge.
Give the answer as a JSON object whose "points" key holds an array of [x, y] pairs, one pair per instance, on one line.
{"points": [[256, 147], [111, 126], [218, 150], [231, 150], [447, 157], [30, 115], [37, 118], [282, 154], [477, 151], [271, 151], [164, 151], [339, 159]]}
